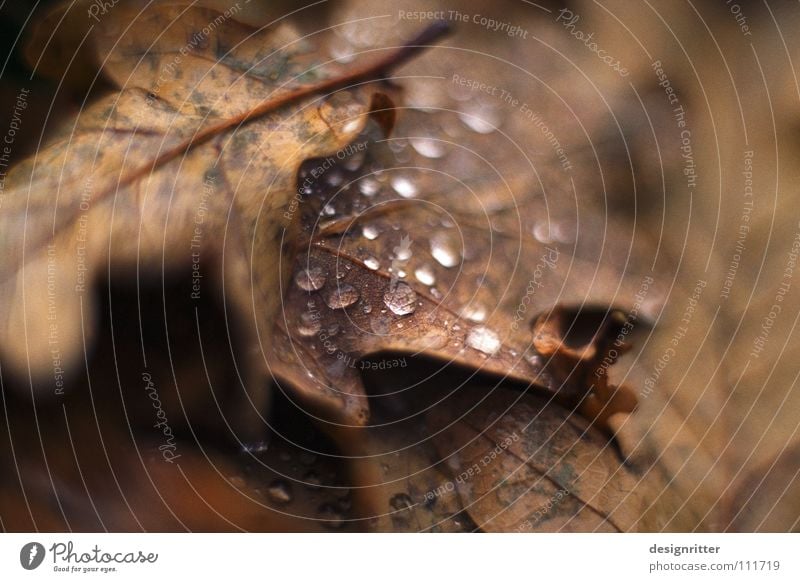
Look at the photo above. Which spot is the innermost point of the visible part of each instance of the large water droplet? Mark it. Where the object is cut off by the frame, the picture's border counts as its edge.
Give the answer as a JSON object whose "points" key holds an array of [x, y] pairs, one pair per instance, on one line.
{"points": [[280, 491], [401, 300], [404, 187], [309, 324], [430, 148], [425, 275], [310, 279], [372, 263], [484, 340], [445, 250], [344, 295]]}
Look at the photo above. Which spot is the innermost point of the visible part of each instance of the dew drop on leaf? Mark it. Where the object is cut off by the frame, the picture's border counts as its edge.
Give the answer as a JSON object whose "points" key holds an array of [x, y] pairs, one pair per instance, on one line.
{"points": [[309, 324], [484, 340], [368, 187], [425, 275], [476, 313], [344, 295], [310, 279], [280, 491], [404, 187], [372, 263], [370, 232], [401, 300], [430, 148], [445, 251]]}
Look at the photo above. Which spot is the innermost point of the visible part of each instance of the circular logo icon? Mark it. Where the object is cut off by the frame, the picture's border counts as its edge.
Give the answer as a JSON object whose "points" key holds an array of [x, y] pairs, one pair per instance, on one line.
{"points": [[31, 555]]}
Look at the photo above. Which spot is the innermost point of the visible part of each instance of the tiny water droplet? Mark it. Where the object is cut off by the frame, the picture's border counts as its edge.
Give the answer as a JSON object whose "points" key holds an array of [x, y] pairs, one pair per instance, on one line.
{"points": [[280, 491], [401, 300], [425, 275], [436, 293], [484, 340], [343, 295], [366, 308], [372, 263], [310, 279], [329, 210]]}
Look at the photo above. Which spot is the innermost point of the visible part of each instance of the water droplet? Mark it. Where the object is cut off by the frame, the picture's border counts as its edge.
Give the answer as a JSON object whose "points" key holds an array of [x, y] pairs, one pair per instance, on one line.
{"points": [[366, 308], [328, 210], [331, 516], [342, 51], [370, 232], [369, 187], [401, 501], [541, 232], [397, 145], [344, 295], [334, 178], [444, 250], [309, 324], [425, 275], [476, 313], [484, 340], [436, 293], [312, 480], [280, 491], [401, 274], [404, 187], [402, 300], [310, 279], [534, 360], [483, 120], [372, 263], [402, 252], [355, 161], [430, 148]]}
